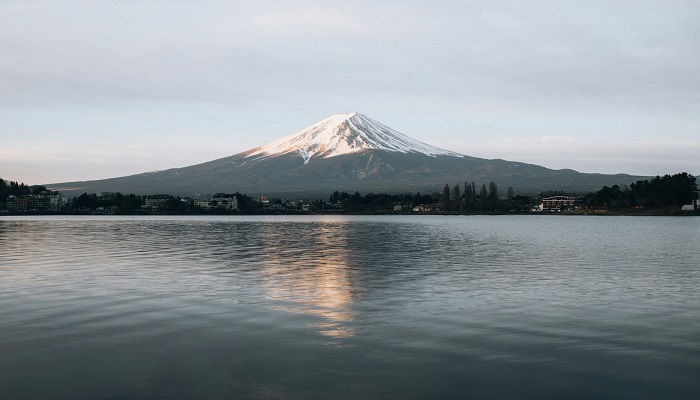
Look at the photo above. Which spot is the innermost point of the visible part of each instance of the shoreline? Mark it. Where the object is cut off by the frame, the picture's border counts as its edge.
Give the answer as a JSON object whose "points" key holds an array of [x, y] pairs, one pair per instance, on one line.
{"points": [[645, 213]]}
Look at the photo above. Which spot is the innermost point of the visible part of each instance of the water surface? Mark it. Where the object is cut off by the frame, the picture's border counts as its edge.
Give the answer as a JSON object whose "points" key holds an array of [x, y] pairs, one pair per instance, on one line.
{"points": [[349, 307]]}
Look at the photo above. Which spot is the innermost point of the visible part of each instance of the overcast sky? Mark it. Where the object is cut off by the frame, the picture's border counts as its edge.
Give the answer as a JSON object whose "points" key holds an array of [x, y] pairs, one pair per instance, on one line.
{"points": [[94, 89]]}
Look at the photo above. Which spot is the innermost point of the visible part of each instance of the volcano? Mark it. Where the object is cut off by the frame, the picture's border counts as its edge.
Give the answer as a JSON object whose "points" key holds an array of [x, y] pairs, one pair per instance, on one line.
{"points": [[344, 134], [346, 152]]}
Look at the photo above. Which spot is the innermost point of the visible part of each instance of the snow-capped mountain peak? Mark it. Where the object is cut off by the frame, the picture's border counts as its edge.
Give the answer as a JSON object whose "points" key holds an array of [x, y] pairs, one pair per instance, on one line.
{"points": [[342, 134]]}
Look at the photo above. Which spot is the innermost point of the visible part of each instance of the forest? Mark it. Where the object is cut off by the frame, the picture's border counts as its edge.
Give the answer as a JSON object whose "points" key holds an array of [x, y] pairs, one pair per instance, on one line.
{"points": [[12, 188], [661, 192]]}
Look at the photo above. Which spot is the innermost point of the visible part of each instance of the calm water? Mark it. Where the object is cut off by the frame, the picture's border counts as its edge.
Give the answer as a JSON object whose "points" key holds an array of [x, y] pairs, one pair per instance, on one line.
{"points": [[350, 307]]}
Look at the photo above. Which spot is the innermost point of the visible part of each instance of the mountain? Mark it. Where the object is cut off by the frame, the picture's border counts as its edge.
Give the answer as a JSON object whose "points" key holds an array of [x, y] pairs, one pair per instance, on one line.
{"points": [[344, 134], [346, 152]]}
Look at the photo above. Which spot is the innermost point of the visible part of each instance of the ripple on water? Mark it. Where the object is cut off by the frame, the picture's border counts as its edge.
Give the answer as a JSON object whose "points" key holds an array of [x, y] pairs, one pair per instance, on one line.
{"points": [[318, 307]]}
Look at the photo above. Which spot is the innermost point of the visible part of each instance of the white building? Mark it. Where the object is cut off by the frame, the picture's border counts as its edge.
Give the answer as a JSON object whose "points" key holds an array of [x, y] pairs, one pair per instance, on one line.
{"points": [[156, 201], [694, 206], [558, 203], [229, 203]]}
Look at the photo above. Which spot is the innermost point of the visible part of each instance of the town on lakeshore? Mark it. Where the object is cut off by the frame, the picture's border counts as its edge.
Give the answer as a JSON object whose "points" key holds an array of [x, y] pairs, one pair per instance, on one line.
{"points": [[663, 195]]}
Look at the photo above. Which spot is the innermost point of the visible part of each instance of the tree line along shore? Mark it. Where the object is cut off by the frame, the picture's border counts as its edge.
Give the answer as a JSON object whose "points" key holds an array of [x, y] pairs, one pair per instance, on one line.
{"points": [[661, 195]]}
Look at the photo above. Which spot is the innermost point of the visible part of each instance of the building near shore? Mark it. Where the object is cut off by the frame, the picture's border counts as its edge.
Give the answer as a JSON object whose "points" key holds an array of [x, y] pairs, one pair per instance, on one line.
{"points": [[693, 206], [44, 201], [228, 203], [560, 203], [156, 201]]}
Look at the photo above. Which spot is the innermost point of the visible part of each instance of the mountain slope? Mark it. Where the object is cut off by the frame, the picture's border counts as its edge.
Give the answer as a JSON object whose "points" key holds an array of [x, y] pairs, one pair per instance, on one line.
{"points": [[346, 152], [343, 134]]}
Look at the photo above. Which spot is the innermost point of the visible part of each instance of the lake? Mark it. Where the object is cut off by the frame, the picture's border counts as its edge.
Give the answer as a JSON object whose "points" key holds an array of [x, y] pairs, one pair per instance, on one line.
{"points": [[350, 307]]}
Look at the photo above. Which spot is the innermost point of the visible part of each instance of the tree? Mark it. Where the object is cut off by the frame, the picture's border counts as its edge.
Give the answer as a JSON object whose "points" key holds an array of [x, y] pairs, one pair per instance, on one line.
{"points": [[8, 188], [446, 198], [468, 200], [421, 199], [38, 189], [473, 195], [458, 199], [247, 204], [128, 203], [483, 198], [661, 191], [681, 187], [492, 196], [356, 198], [521, 203], [85, 201]]}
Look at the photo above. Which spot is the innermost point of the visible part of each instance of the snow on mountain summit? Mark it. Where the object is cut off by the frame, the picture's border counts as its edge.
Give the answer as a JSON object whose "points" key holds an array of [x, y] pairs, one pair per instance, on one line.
{"points": [[346, 134]]}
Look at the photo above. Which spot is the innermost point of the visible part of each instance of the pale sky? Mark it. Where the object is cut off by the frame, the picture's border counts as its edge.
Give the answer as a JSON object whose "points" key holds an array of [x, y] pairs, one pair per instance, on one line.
{"points": [[93, 89]]}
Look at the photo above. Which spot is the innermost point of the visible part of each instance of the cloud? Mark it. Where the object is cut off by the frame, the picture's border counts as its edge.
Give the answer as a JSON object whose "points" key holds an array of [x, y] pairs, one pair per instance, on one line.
{"points": [[309, 18], [595, 154], [444, 72]]}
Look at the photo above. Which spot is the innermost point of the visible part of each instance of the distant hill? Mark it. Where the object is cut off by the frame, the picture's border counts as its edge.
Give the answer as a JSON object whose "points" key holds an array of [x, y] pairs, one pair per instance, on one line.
{"points": [[346, 152]]}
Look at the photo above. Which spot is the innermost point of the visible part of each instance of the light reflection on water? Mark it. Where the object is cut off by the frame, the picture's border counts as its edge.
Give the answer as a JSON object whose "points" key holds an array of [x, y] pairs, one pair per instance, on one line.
{"points": [[314, 279], [348, 307]]}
